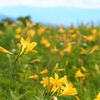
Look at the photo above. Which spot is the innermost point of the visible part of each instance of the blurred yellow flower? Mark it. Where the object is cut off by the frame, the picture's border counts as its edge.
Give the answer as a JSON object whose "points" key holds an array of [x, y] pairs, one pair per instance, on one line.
{"points": [[1, 32], [79, 74], [41, 30], [54, 50], [45, 42], [94, 31], [62, 53], [19, 30], [45, 81], [35, 77], [31, 33], [45, 71], [95, 48], [26, 46], [98, 97], [90, 38], [4, 50], [68, 49], [18, 36], [5, 24]]}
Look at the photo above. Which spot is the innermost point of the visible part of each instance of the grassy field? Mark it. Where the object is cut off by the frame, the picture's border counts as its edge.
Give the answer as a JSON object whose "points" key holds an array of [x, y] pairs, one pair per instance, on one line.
{"points": [[48, 63]]}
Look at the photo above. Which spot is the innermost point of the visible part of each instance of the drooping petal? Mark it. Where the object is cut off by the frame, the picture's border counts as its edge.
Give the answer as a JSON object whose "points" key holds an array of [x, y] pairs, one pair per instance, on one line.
{"points": [[4, 50]]}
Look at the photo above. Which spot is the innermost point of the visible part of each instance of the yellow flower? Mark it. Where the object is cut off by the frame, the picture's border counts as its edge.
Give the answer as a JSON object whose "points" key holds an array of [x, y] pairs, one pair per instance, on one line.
{"points": [[31, 33], [41, 30], [19, 30], [45, 42], [68, 48], [4, 50], [68, 90], [94, 31], [95, 48], [90, 38], [45, 71], [35, 77], [62, 53], [56, 82], [26, 46], [45, 81], [79, 74], [1, 32], [54, 50], [98, 97], [18, 36]]}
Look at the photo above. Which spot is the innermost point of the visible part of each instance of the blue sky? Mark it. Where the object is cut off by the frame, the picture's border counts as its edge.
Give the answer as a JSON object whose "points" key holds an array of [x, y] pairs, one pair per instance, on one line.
{"points": [[57, 11], [51, 3]]}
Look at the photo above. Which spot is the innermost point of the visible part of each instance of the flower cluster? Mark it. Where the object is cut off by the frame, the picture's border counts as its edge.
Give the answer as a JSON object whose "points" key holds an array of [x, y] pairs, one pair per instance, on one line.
{"points": [[59, 86]]}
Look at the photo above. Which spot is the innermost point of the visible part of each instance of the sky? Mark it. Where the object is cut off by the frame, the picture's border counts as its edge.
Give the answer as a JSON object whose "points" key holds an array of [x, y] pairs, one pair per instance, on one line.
{"points": [[51, 3], [57, 11]]}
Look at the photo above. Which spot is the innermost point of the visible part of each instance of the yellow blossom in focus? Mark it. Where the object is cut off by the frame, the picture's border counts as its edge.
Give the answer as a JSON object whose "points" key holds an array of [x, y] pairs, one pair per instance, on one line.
{"points": [[45, 71], [79, 74], [98, 97], [68, 90], [45, 81], [4, 50], [26, 46], [56, 82]]}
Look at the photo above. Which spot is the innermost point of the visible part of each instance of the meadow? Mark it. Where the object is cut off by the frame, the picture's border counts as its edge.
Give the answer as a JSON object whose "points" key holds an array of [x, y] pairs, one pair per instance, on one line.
{"points": [[42, 62]]}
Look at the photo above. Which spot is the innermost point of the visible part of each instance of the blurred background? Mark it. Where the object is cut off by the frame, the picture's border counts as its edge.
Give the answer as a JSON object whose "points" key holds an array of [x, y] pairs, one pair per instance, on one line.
{"points": [[53, 12]]}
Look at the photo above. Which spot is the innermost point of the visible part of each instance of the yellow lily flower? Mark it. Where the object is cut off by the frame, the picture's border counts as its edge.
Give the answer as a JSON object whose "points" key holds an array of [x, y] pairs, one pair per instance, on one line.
{"points": [[98, 97], [45, 71], [45, 81], [4, 50], [68, 90], [79, 74], [55, 82], [26, 46]]}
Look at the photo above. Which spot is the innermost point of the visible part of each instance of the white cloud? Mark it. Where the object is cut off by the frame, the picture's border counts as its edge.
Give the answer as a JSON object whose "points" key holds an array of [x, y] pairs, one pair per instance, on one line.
{"points": [[52, 3]]}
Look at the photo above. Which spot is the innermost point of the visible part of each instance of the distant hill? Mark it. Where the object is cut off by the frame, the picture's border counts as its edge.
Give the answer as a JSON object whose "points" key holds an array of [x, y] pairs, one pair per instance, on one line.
{"points": [[54, 15], [2, 16]]}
